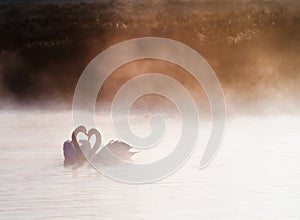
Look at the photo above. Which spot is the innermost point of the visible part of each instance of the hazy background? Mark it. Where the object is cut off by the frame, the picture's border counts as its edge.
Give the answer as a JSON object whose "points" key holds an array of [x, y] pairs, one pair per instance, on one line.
{"points": [[253, 46]]}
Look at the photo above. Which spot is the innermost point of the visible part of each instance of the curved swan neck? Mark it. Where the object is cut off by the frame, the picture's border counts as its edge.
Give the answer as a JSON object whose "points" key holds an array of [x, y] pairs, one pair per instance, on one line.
{"points": [[89, 135], [97, 142], [74, 140]]}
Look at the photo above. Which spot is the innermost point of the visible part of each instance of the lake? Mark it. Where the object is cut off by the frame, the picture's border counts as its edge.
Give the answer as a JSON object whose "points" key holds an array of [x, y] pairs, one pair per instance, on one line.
{"points": [[256, 175]]}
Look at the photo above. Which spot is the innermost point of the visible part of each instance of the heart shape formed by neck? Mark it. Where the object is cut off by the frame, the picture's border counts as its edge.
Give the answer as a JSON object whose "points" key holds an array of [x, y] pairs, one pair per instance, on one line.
{"points": [[86, 149]]}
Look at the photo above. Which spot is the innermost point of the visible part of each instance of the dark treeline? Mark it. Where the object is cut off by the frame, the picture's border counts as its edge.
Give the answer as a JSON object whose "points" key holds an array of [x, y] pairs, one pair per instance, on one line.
{"points": [[253, 46]]}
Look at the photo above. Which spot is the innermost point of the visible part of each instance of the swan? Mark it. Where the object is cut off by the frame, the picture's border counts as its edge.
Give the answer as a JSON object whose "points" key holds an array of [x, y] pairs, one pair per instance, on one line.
{"points": [[75, 153], [72, 152]]}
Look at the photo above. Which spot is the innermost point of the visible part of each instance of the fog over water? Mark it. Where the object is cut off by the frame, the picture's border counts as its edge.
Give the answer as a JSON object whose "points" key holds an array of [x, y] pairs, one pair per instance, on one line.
{"points": [[254, 49], [252, 46], [254, 176]]}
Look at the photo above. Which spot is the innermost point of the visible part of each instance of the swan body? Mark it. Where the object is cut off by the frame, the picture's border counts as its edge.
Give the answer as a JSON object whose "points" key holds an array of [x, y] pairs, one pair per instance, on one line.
{"points": [[70, 153]]}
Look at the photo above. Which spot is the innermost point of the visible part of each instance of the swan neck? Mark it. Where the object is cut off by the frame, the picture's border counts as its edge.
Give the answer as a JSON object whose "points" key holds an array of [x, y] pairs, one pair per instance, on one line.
{"points": [[98, 141], [74, 140]]}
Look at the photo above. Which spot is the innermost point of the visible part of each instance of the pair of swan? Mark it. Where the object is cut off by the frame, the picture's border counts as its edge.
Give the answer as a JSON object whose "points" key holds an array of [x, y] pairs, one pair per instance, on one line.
{"points": [[76, 152]]}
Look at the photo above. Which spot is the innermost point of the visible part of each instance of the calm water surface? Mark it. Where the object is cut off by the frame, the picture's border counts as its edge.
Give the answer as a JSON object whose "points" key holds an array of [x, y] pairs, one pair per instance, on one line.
{"points": [[256, 175]]}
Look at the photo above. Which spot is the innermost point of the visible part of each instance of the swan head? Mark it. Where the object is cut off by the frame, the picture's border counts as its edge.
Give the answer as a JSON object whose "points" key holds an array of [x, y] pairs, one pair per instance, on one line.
{"points": [[80, 128]]}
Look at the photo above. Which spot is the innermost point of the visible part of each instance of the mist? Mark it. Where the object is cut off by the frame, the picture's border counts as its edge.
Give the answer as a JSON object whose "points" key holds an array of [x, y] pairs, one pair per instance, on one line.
{"points": [[252, 46]]}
